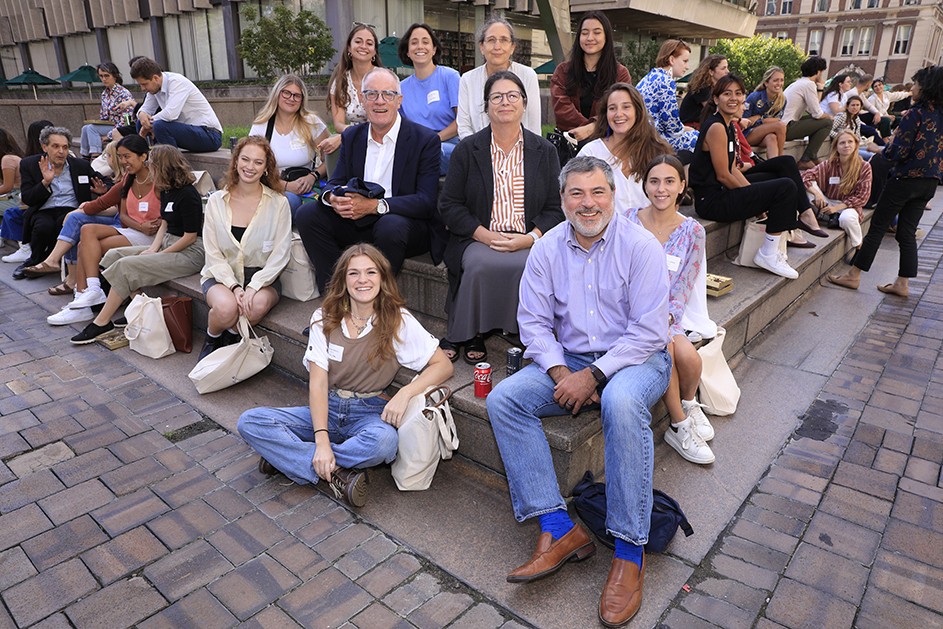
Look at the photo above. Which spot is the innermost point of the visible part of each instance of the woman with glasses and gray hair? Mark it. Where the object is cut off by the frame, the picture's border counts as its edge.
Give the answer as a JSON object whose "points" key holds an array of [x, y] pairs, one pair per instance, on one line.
{"points": [[499, 198], [294, 133], [497, 44]]}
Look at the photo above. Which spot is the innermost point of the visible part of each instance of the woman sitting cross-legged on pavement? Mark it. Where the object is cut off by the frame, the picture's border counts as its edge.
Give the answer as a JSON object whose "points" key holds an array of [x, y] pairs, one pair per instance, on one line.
{"points": [[247, 237], [722, 192], [176, 250], [499, 198], [684, 241], [841, 185], [359, 338]]}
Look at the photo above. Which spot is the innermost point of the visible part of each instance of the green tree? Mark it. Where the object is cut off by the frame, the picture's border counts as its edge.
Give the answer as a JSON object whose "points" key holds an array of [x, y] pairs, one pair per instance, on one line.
{"points": [[639, 57], [285, 42], [751, 57]]}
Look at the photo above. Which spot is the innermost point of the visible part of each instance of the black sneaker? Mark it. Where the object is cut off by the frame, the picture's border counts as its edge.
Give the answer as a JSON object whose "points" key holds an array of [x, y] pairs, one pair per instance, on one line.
{"points": [[91, 333], [350, 485], [211, 344], [121, 322]]}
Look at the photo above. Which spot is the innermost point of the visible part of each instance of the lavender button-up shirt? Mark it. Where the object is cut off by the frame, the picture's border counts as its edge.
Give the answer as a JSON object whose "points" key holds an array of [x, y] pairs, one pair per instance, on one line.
{"points": [[610, 300]]}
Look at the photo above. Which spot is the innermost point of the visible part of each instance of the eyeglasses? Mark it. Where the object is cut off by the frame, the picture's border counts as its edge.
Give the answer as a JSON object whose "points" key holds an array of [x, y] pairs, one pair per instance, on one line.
{"points": [[291, 96], [373, 95], [504, 41], [354, 25], [511, 97]]}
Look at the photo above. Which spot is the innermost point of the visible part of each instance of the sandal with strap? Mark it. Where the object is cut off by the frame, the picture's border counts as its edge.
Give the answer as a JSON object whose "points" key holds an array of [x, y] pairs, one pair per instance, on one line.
{"points": [[447, 346], [475, 346], [60, 289]]}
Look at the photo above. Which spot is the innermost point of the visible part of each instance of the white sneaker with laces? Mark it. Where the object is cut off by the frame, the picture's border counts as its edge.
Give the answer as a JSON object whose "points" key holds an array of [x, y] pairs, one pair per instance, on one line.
{"points": [[88, 298], [703, 426], [70, 315], [20, 255], [688, 443], [775, 263]]}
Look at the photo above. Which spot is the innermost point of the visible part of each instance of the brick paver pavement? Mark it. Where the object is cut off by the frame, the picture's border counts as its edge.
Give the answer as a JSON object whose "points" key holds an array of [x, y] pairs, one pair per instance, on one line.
{"points": [[106, 522], [846, 527]]}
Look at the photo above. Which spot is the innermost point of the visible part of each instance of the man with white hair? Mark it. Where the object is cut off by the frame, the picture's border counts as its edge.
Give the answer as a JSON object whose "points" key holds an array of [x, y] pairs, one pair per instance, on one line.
{"points": [[392, 202]]}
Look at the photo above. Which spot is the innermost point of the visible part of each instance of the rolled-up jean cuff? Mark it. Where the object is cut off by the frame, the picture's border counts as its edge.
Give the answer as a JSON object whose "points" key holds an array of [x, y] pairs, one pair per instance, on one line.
{"points": [[541, 512]]}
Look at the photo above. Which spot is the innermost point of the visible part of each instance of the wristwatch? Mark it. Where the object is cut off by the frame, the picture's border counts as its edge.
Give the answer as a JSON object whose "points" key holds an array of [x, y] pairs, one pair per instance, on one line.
{"points": [[600, 377], [382, 207]]}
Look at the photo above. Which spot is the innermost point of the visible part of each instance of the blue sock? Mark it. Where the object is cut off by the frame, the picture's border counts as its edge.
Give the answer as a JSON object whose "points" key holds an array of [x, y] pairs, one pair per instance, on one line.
{"points": [[629, 552], [557, 523]]}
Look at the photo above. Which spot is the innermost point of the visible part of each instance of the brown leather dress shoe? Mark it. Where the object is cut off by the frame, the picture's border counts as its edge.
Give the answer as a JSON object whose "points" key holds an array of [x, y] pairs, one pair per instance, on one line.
{"points": [[622, 595], [551, 555]]}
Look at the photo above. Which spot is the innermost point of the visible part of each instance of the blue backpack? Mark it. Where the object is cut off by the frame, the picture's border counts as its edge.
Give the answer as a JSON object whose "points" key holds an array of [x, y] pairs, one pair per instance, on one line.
{"points": [[589, 500]]}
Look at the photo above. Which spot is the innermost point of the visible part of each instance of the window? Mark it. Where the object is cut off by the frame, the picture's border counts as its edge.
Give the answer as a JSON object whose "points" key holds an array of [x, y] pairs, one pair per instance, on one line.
{"points": [[770, 7], [787, 8], [848, 42], [911, 1], [815, 42], [902, 41], [821, 6], [873, 4], [782, 35], [855, 4], [865, 40]]}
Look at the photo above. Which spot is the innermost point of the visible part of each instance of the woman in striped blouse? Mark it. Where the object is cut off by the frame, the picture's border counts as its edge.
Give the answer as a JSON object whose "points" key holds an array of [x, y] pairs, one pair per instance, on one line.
{"points": [[493, 219]]}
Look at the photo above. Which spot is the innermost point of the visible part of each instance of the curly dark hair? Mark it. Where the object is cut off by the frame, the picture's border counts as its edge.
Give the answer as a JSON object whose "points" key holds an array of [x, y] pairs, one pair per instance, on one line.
{"points": [[931, 84]]}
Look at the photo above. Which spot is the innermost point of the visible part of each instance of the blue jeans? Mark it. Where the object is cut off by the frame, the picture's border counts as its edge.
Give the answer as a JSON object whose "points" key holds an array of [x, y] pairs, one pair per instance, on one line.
{"points": [[92, 138], [285, 436], [72, 229], [12, 226], [294, 202], [515, 408], [186, 136], [447, 147]]}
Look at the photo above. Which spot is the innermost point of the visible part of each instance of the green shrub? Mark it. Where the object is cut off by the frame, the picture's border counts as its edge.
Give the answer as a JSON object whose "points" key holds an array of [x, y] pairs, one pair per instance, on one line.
{"points": [[285, 42], [639, 57], [750, 57]]}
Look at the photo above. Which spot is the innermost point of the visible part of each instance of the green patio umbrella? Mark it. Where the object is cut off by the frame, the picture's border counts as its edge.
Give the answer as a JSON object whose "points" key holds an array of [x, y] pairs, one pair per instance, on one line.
{"points": [[546, 68], [32, 78], [389, 53], [83, 74]]}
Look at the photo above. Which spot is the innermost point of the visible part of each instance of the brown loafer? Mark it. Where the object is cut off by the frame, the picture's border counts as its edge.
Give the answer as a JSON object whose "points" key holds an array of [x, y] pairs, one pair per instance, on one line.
{"points": [[622, 595], [551, 555]]}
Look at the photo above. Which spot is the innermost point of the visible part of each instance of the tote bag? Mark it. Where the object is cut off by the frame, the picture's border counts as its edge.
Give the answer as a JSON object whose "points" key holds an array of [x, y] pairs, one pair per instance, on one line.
{"points": [[426, 436], [754, 233], [719, 393], [146, 329], [233, 363], [298, 281], [178, 315]]}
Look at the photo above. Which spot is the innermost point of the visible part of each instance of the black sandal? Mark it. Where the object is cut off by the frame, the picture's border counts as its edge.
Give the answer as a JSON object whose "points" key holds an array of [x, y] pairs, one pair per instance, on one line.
{"points": [[447, 346], [476, 344]]}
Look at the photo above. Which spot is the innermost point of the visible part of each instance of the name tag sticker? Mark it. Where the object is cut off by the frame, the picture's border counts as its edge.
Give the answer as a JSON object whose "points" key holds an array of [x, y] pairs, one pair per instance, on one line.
{"points": [[432, 97], [142, 207], [834, 181], [335, 352], [169, 208], [83, 178], [267, 246], [674, 263], [730, 147]]}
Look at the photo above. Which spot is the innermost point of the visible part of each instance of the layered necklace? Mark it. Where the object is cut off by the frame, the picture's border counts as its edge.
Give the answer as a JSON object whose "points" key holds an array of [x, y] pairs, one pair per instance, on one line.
{"points": [[360, 327], [139, 182]]}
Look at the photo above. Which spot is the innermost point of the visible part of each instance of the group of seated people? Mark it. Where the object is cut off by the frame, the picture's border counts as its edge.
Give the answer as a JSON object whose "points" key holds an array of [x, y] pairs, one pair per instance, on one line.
{"points": [[592, 264]]}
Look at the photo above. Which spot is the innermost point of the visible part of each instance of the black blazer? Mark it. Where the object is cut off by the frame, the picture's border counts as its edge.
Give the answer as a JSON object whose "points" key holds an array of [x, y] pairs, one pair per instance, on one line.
{"points": [[34, 193], [468, 194]]}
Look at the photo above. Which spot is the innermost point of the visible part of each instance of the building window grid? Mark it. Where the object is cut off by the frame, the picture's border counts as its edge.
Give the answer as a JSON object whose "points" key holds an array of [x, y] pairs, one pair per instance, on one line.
{"points": [[786, 7], [770, 7], [865, 40], [855, 4], [782, 35], [821, 6], [815, 42], [902, 40], [873, 4], [848, 42]]}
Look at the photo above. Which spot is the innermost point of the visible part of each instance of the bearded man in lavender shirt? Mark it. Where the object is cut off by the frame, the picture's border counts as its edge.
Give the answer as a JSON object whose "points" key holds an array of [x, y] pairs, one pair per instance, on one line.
{"points": [[594, 316]]}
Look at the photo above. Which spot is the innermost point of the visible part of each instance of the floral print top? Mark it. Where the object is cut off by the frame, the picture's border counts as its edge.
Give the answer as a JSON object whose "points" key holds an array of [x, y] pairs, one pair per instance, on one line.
{"points": [[661, 99], [684, 250], [355, 111], [916, 149], [111, 98]]}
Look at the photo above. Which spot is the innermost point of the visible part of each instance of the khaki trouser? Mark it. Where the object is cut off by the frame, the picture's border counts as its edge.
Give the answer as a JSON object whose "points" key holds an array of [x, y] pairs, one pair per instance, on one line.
{"points": [[127, 271], [817, 129]]}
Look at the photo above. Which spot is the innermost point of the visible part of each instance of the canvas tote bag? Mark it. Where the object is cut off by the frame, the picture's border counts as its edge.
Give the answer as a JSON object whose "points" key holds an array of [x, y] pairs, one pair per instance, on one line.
{"points": [[718, 390], [146, 329], [233, 363], [426, 436], [754, 233], [298, 280]]}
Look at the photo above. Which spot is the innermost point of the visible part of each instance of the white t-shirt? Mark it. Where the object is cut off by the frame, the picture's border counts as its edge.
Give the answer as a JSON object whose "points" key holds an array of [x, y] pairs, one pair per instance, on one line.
{"points": [[629, 192], [290, 150], [413, 348]]}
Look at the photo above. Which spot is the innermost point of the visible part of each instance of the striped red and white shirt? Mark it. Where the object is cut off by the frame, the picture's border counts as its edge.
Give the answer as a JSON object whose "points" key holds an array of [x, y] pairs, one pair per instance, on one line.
{"points": [[507, 213]]}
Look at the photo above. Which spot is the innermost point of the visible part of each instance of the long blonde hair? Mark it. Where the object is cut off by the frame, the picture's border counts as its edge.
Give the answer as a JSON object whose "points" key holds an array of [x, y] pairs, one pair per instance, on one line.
{"points": [[776, 105], [110, 152], [851, 174], [303, 120]]}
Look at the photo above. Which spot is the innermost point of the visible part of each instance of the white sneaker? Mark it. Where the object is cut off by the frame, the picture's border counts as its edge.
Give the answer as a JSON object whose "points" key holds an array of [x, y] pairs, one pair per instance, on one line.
{"points": [[88, 298], [701, 423], [775, 263], [20, 255], [70, 315], [688, 443]]}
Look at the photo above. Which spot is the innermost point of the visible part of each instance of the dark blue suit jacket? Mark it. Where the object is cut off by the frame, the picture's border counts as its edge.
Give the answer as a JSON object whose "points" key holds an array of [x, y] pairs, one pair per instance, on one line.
{"points": [[415, 167]]}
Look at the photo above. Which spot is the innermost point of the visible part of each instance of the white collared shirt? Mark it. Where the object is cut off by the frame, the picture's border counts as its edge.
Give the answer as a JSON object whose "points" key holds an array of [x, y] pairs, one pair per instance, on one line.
{"points": [[181, 101], [378, 167]]}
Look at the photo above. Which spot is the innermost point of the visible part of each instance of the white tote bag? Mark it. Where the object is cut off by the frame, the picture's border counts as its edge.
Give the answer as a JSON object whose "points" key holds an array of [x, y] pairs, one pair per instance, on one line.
{"points": [[298, 281], [426, 436], [719, 393], [233, 363], [146, 330], [753, 235]]}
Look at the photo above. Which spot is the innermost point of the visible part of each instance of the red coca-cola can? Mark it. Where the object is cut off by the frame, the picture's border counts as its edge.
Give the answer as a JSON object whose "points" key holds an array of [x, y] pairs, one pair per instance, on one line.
{"points": [[482, 379]]}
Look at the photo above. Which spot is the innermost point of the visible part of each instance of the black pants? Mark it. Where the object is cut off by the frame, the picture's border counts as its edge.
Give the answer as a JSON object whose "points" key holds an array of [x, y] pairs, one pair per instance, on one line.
{"points": [[880, 169], [906, 197], [325, 235], [41, 229], [774, 188]]}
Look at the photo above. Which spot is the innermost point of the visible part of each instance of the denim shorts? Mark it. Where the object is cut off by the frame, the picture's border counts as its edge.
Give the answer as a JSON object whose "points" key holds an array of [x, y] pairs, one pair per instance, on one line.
{"points": [[247, 272]]}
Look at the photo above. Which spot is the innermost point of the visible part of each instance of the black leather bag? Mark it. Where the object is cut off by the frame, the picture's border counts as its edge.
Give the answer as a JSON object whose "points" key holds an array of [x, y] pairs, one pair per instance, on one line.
{"points": [[294, 172], [566, 149]]}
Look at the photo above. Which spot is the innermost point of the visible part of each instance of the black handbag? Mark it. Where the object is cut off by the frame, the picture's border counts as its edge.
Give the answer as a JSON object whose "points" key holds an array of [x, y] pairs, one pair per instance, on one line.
{"points": [[294, 172], [566, 148]]}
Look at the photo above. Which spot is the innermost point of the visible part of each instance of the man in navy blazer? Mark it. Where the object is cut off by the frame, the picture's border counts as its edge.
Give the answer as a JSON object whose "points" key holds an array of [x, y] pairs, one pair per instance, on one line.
{"points": [[400, 156]]}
